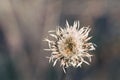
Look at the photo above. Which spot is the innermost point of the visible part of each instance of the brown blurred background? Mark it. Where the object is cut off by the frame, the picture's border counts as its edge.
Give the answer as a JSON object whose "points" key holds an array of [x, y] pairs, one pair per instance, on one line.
{"points": [[25, 23]]}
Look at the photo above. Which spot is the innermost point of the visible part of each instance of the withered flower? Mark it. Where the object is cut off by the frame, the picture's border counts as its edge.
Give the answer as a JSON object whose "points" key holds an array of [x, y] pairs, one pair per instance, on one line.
{"points": [[70, 45]]}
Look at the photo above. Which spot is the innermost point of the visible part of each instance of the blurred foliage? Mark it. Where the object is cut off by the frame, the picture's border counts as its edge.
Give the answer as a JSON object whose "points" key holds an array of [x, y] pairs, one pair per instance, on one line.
{"points": [[24, 25]]}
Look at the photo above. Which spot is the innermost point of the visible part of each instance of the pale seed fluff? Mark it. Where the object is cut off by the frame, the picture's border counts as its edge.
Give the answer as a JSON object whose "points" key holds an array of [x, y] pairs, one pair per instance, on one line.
{"points": [[70, 45]]}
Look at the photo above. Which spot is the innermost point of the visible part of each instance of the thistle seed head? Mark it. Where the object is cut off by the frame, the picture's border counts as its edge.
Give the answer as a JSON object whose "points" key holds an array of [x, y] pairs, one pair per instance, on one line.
{"points": [[70, 46]]}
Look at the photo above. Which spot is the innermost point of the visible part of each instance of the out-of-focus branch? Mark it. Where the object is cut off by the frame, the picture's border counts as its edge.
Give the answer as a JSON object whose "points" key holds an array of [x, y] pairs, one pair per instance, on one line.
{"points": [[14, 40]]}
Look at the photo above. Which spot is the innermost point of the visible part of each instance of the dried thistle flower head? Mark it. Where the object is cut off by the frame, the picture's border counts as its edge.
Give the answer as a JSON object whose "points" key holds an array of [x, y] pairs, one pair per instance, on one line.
{"points": [[70, 45]]}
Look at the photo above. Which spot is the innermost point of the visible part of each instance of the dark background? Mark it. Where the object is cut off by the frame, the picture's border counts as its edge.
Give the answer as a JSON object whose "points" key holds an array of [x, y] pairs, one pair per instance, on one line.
{"points": [[24, 25]]}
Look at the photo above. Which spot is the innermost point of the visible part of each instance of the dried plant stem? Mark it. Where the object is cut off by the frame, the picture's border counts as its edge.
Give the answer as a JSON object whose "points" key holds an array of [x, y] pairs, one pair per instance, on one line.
{"points": [[65, 76]]}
